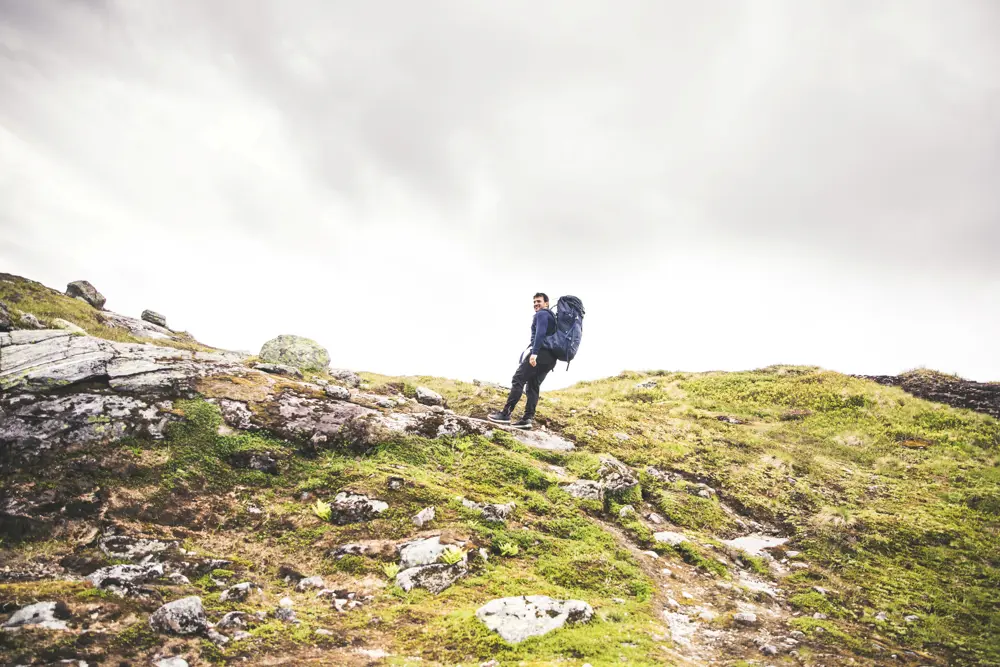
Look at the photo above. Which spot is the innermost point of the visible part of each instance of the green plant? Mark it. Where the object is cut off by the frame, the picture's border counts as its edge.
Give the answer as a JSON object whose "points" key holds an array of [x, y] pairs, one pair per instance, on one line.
{"points": [[508, 549], [452, 555], [322, 509], [390, 570]]}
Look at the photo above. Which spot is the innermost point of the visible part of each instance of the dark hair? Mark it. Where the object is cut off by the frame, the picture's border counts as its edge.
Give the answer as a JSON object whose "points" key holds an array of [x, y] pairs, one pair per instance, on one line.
{"points": [[545, 297]]}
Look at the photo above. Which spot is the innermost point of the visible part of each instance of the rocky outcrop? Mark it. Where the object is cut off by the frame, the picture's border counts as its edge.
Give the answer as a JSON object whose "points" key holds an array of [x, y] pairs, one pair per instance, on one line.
{"points": [[279, 369], [125, 579], [81, 289], [518, 618], [154, 317], [434, 578], [5, 322], [297, 351], [958, 393]]}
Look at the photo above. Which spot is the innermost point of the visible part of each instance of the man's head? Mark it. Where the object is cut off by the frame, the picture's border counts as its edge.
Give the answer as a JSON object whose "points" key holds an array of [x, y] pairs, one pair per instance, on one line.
{"points": [[540, 301]]}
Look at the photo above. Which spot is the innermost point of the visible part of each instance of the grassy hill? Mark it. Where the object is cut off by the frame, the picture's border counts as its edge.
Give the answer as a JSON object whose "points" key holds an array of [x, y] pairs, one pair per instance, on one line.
{"points": [[891, 507]]}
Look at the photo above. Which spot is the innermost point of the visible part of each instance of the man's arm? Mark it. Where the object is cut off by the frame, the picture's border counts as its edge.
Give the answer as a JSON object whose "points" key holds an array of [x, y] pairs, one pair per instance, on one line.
{"points": [[540, 326]]}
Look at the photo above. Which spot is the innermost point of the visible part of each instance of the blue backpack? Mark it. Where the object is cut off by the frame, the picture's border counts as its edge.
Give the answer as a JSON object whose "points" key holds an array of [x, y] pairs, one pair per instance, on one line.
{"points": [[565, 342]]}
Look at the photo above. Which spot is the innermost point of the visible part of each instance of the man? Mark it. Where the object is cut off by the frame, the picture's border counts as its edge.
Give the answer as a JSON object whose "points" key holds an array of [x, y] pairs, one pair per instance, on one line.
{"points": [[532, 370]]}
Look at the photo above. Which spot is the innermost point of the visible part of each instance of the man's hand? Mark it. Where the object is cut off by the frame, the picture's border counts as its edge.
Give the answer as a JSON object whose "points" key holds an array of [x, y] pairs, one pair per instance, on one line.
{"points": [[533, 360]]}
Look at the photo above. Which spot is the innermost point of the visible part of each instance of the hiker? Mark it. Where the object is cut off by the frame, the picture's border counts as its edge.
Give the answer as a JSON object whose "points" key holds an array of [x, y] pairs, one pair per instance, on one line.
{"points": [[532, 370]]}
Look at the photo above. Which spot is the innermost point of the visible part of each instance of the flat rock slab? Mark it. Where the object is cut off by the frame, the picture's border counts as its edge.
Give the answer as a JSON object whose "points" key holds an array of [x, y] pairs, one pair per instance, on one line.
{"points": [[421, 552], [670, 537], [435, 578], [756, 544], [45, 615], [518, 618]]}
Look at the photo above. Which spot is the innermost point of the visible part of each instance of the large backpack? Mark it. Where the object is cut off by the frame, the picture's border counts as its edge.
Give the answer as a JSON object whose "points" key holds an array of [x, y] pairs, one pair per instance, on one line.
{"points": [[565, 342]]}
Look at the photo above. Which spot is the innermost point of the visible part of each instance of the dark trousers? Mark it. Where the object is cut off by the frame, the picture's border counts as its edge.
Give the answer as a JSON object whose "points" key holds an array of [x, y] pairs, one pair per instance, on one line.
{"points": [[531, 377]]}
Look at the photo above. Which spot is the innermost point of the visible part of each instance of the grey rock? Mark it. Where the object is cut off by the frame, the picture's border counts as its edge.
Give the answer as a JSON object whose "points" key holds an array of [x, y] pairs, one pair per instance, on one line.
{"points": [[912, 618], [154, 317], [45, 615], [616, 477], [349, 550], [171, 662], [427, 396], [745, 618], [355, 508], [654, 518], [435, 578], [681, 626], [233, 620], [623, 436], [518, 618], [881, 616], [60, 323], [424, 516], [178, 579], [647, 384], [29, 321], [5, 321], [797, 634], [297, 351], [279, 369], [626, 510], [183, 617], [84, 290], [491, 511], [350, 378], [421, 552], [308, 583], [769, 649], [241, 635], [250, 460], [542, 440], [729, 420], [585, 489], [285, 614], [237, 593], [395, 483], [134, 549], [216, 637], [661, 476], [125, 579], [337, 392]]}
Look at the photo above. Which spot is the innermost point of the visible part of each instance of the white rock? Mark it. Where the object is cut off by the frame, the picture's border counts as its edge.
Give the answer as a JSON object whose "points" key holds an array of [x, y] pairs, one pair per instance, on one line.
{"points": [[670, 537], [47, 615], [423, 516], [518, 618]]}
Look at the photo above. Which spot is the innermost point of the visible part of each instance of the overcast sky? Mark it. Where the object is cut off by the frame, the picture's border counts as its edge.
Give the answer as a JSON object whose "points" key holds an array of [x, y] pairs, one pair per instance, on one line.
{"points": [[726, 185]]}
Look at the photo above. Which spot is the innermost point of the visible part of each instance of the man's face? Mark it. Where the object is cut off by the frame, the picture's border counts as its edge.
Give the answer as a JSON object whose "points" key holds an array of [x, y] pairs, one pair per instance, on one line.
{"points": [[539, 303]]}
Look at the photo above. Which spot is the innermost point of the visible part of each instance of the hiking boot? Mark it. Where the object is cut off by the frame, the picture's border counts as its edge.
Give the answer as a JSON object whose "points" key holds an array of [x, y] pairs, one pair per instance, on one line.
{"points": [[524, 424], [499, 417]]}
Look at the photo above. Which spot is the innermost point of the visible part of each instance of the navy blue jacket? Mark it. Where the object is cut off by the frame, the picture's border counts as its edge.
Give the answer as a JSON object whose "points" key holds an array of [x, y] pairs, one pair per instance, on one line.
{"points": [[547, 322]]}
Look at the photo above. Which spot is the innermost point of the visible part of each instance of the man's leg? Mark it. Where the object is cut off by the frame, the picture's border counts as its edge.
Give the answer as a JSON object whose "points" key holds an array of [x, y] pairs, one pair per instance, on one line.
{"points": [[524, 371], [546, 362]]}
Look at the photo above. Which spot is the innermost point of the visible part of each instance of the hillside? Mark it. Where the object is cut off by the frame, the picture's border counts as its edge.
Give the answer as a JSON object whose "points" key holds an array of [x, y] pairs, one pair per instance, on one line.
{"points": [[782, 516]]}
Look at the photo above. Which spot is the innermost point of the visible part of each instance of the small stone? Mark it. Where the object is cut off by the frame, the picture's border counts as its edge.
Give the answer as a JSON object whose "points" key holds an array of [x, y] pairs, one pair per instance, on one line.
{"points": [[29, 321], [793, 554], [799, 566], [769, 649], [623, 436], [912, 618], [705, 493], [241, 635], [819, 616], [178, 579], [673, 604], [797, 634], [707, 615], [217, 638], [171, 662], [424, 516], [234, 620], [881, 616], [286, 602], [324, 632], [651, 554], [337, 392], [670, 537], [284, 614], [489, 663], [745, 618], [308, 583], [626, 510], [667, 573], [154, 317], [237, 593], [395, 483]]}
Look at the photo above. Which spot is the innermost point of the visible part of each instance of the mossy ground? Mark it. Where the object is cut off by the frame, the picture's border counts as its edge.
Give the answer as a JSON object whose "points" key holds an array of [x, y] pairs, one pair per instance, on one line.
{"points": [[885, 527]]}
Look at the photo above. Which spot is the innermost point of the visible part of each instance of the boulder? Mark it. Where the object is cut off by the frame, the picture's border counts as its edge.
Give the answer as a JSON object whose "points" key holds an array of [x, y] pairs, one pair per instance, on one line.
{"points": [[355, 508], [182, 617], [518, 618], [154, 317], [82, 289], [234, 620], [616, 478], [5, 322], [46, 615], [295, 351], [429, 397], [280, 369], [435, 578]]}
